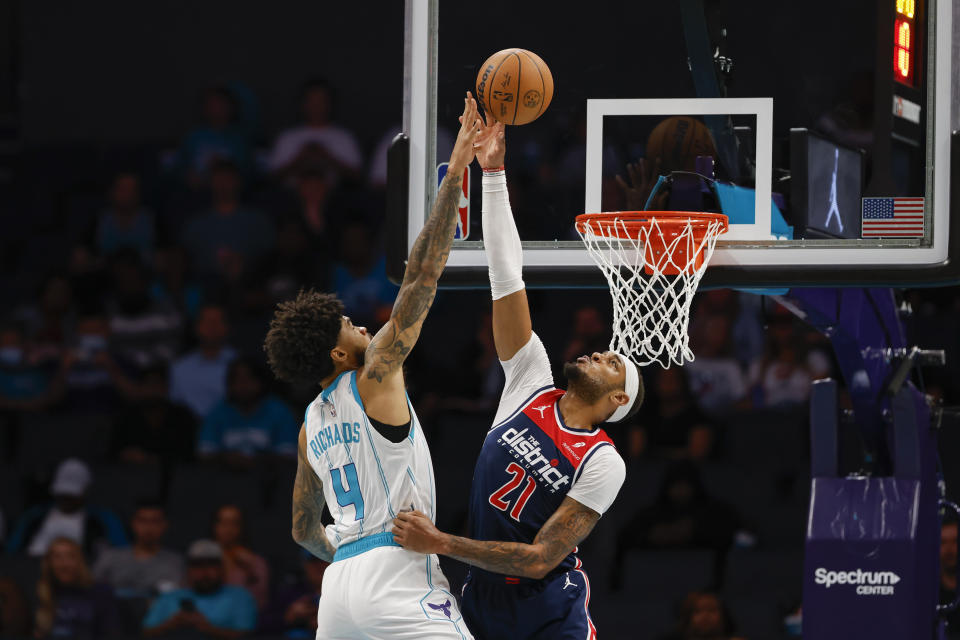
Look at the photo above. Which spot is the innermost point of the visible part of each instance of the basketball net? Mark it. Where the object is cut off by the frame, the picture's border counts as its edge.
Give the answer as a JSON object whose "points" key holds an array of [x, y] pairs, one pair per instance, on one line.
{"points": [[653, 262]]}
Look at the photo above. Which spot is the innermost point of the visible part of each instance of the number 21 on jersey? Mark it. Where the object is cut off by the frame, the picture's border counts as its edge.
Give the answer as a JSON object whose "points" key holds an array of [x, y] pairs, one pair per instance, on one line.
{"points": [[497, 497], [350, 495]]}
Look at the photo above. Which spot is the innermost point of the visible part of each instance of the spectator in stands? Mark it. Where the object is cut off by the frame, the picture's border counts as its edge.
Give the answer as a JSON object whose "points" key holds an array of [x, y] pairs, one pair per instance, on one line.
{"points": [[948, 574], [143, 331], [154, 429], [146, 568], [360, 277], [173, 282], [295, 263], [590, 333], [198, 380], [231, 238], [702, 616], [293, 612], [69, 516], [91, 370], [219, 138], [780, 379], [313, 198], [683, 517], [25, 384], [673, 426], [743, 310], [207, 607], [250, 422], [126, 223], [49, 325], [14, 611], [242, 567], [69, 603], [716, 378], [319, 141]]}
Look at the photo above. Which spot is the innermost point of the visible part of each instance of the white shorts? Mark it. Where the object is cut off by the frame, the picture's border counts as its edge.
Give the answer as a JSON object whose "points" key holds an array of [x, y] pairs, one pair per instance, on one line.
{"points": [[388, 593]]}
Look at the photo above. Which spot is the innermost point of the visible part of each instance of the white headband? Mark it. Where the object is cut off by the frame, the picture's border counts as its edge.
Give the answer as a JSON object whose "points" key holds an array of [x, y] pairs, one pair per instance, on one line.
{"points": [[631, 385]]}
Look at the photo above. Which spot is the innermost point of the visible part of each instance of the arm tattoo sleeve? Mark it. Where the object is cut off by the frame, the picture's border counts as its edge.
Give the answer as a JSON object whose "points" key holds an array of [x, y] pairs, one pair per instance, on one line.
{"points": [[565, 529], [389, 348], [308, 502]]}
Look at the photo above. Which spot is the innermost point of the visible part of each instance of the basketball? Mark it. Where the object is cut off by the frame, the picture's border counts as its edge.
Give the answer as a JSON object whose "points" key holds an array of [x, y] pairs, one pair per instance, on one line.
{"points": [[677, 141], [515, 86]]}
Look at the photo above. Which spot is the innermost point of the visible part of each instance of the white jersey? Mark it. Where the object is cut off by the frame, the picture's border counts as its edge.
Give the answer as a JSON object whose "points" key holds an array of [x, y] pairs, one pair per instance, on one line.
{"points": [[366, 478]]}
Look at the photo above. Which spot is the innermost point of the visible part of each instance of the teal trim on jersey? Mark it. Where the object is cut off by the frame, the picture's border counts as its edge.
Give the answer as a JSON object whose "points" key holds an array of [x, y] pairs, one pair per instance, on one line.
{"points": [[376, 456], [356, 392], [412, 479], [362, 545], [325, 394], [413, 421], [453, 601], [305, 414], [326, 455]]}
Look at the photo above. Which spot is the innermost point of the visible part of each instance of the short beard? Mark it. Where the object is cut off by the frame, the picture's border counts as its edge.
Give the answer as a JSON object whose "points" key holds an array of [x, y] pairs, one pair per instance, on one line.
{"points": [[583, 386]]}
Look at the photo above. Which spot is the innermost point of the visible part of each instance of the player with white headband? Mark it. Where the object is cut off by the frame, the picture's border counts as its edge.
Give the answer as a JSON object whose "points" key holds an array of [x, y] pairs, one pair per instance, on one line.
{"points": [[546, 471]]}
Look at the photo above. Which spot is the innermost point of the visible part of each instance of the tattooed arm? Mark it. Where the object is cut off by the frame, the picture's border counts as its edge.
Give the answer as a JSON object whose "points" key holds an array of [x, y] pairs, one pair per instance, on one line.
{"points": [[308, 503], [565, 529], [428, 256]]}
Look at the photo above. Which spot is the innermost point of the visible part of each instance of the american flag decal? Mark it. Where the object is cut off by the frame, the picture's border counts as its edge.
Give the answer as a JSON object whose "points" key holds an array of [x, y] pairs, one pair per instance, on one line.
{"points": [[892, 218]]}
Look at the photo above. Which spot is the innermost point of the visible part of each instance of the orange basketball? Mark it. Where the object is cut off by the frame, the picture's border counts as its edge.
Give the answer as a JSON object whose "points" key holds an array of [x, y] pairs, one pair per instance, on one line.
{"points": [[677, 141], [515, 86]]}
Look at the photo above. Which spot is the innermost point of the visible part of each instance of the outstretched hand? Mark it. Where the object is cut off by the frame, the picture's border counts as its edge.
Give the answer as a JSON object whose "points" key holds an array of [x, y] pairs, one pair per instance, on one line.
{"points": [[490, 145], [643, 176], [470, 124]]}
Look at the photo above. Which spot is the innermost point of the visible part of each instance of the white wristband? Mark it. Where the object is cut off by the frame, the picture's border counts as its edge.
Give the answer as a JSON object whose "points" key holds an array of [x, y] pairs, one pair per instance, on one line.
{"points": [[500, 237]]}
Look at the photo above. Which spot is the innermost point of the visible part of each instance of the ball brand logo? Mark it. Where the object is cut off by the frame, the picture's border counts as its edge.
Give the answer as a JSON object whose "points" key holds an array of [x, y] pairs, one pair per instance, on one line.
{"points": [[483, 80], [868, 583], [531, 99]]}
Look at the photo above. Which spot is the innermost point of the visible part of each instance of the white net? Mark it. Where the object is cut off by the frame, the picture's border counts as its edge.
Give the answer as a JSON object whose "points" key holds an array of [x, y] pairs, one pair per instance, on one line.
{"points": [[653, 271]]}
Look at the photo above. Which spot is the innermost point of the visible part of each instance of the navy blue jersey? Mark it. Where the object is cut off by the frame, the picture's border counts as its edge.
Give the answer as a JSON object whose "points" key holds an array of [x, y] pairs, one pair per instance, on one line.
{"points": [[528, 463]]}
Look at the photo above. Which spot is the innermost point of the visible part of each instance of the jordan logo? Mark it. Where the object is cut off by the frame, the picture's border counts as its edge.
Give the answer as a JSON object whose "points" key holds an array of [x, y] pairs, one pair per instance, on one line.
{"points": [[541, 409], [567, 583], [834, 209], [445, 607]]}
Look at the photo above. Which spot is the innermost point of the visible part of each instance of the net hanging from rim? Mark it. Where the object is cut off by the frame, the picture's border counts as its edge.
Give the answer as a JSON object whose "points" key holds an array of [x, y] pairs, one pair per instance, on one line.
{"points": [[653, 262]]}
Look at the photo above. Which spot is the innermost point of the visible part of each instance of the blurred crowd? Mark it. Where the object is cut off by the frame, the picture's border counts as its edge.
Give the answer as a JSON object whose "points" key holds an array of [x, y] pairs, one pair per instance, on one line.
{"points": [[147, 454]]}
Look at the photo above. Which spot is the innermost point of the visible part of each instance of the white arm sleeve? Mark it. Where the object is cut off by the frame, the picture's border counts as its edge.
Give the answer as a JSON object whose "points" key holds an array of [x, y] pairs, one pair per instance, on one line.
{"points": [[526, 372], [501, 241], [600, 480]]}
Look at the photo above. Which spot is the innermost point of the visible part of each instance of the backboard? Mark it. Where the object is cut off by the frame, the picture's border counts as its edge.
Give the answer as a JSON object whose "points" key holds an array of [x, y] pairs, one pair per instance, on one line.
{"points": [[826, 130]]}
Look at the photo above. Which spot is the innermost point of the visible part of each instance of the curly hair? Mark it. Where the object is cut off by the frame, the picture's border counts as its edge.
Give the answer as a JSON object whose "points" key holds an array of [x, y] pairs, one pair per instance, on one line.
{"points": [[302, 333]]}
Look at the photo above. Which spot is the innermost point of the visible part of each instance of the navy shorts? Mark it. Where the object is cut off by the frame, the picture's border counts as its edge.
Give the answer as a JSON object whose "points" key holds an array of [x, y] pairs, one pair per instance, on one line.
{"points": [[554, 608]]}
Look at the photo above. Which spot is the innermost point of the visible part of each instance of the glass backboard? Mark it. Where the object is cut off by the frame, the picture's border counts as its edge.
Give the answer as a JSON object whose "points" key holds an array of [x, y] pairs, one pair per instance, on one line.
{"points": [[823, 132]]}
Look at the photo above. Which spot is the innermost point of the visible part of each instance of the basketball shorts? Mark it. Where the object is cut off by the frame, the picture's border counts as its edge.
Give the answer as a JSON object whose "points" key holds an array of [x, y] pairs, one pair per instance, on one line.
{"points": [[554, 608], [386, 592]]}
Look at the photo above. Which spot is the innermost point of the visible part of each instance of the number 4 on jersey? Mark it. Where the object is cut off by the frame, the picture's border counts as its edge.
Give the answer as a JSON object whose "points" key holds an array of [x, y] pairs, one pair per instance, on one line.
{"points": [[496, 498], [351, 495]]}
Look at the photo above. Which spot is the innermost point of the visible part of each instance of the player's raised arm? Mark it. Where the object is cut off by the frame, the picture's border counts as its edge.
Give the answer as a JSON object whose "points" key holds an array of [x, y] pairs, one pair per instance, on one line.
{"points": [[511, 313], [565, 529], [428, 256], [308, 503]]}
